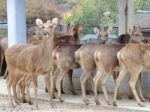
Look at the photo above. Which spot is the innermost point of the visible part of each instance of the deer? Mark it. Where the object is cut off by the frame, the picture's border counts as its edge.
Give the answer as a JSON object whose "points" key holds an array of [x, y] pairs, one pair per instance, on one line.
{"points": [[31, 38], [133, 58], [72, 37], [31, 60], [85, 55], [64, 60], [106, 62]]}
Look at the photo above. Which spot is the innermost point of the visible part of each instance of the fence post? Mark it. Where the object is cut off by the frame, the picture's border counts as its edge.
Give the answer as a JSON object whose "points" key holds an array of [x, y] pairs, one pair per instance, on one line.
{"points": [[16, 22]]}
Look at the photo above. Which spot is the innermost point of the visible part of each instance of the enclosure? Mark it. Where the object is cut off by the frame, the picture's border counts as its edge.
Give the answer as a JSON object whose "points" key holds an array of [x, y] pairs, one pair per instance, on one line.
{"points": [[17, 20]]}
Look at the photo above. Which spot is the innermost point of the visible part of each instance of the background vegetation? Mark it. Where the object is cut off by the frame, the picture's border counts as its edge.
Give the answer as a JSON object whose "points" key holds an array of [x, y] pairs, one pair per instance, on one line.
{"points": [[90, 12]]}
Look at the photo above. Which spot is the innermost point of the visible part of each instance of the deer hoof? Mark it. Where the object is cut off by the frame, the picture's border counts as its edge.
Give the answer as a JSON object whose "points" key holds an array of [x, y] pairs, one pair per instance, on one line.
{"points": [[61, 100], [142, 99], [97, 102], [86, 101], [74, 93], [30, 102], [141, 104], [114, 103], [108, 103], [12, 105], [118, 97], [46, 90], [130, 97]]}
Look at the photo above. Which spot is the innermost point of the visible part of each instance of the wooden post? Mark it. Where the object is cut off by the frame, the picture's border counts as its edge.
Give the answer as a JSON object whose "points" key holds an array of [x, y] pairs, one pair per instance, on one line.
{"points": [[16, 22], [130, 15], [122, 16]]}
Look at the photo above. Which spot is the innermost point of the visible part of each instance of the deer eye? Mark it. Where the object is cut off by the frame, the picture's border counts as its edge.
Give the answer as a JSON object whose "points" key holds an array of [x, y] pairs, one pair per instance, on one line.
{"points": [[50, 26]]}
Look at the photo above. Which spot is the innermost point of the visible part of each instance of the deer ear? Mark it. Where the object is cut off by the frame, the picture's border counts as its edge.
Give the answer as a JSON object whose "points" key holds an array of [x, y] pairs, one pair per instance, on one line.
{"points": [[110, 29], [96, 30], [48, 21], [130, 32], [72, 23], [55, 21], [39, 22]]}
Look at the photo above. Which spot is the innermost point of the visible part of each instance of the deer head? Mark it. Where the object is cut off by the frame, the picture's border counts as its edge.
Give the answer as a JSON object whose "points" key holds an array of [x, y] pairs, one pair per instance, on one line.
{"points": [[75, 28], [136, 36], [101, 34], [45, 29]]}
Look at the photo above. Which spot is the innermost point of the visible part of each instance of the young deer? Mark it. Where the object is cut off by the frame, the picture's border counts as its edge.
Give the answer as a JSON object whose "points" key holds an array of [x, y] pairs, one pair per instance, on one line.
{"points": [[31, 60], [85, 57], [106, 62]]}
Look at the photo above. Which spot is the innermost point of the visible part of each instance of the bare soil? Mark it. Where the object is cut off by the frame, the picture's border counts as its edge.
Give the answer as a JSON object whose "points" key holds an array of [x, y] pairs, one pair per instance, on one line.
{"points": [[44, 106]]}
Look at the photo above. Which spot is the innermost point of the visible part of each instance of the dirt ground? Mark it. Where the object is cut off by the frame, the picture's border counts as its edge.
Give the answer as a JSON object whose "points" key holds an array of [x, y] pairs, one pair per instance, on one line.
{"points": [[44, 106]]}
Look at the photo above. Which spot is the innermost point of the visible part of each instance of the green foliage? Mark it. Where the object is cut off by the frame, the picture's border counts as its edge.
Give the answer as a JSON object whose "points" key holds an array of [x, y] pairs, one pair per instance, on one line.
{"points": [[138, 4], [142, 5], [91, 12]]}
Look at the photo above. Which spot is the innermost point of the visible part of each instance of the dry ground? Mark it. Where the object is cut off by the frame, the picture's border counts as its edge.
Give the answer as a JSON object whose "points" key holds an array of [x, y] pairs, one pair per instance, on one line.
{"points": [[72, 103], [44, 106]]}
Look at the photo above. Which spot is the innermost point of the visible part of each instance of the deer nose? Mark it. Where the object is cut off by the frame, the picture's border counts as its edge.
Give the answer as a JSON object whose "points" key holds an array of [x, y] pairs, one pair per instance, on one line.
{"points": [[45, 33]]}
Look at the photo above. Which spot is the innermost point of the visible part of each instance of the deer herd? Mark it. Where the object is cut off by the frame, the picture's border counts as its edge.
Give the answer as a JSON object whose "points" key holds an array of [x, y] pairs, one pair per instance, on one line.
{"points": [[54, 54]]}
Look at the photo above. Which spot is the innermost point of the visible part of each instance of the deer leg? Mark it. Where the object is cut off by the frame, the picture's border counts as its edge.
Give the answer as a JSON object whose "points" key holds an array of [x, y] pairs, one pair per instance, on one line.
{"points": [[27, 84], [47, 83], [130, 94], [140, 88], [62, 90], [23, 99], [6, 72], [115, 76], [14, 85], [34, 79], [87, 85], [83, 80], [1, 62], [53, 76], [20, 89], [92, 83], [70, 73], [103, 82], [132, 83], [9, 82], [96, 80], [58, 84], [45, 80], [119, 79]]}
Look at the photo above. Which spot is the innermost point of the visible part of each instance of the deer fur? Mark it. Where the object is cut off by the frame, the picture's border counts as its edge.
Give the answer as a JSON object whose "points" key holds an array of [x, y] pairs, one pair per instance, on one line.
{"points": [[106, 62], [85, 57], [71, 37], [31, 60]]}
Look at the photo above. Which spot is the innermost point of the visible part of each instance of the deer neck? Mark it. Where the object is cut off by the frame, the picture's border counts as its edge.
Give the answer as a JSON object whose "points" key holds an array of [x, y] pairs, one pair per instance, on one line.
{"points": [[76, 36], [47, 47]]}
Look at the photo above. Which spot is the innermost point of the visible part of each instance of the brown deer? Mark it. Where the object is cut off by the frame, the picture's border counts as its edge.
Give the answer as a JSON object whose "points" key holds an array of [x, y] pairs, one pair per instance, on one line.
{"points": [[4, 45], [85, 57], [72, 37], [106, 62], [133, 58], [64, 60], [31, 60]]}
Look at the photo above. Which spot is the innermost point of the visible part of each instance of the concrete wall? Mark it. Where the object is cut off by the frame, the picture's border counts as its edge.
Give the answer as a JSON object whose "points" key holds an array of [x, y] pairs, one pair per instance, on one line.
{"points": [[142, 19], [110, 83]]}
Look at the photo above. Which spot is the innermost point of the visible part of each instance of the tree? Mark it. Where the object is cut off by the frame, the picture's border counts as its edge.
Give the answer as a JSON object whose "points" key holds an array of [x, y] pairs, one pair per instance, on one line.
{"points": [[43, 9], [91, 12], [3, 14]]}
